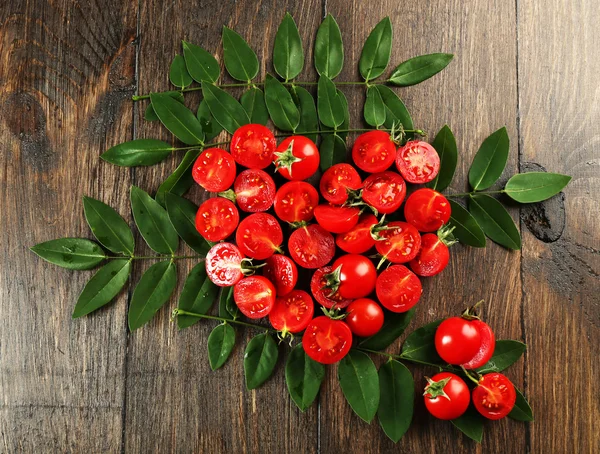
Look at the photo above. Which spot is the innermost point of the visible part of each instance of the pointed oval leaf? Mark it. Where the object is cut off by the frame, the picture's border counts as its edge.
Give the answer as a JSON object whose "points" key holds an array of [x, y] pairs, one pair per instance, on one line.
{"points": [[139, 152], [360, 384], [240, 59], [342, 129], [489, 162], [283, 111], [333, 151], [178, 73], [220, 345], [471, 424], [329, 49], [309, 120], [182, 214], [506, 353], [70, 253], [374, 110], [445, 145], [228, 112], [209, 125], [177, 118], [253, 101], [181, 179], [397, 395], [533, 187], [150, 115], [201, 65], [394, 325], [376, 52], [108, 226], [396, 112], [329, 104], [303, 377], [197, 296], [420, 345], [521, 411], [418, 69], [466, 230], [288, 56], [259, 360], [495, 221]]}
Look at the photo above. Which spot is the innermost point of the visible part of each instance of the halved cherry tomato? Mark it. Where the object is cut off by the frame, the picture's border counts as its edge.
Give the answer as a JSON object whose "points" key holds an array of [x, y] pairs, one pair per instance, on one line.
{"points": [[292, 312], [427, 210], [432, 257], [322, 294], [337, 180], [296, 158], [384, 191], [259, 236], [457, 340], [398, 289], [418, 162], [336, 219], [254, 190], [495, 396], [365, 317], [224, 264], [214, 170], [401, 243], [216, 219], [486, 348], [254, 296], [282, 271], [358, 239], [374, 151], [446, 396], [252, 146], [311, 246], [296, 201], [327, 341], [353, 276]]}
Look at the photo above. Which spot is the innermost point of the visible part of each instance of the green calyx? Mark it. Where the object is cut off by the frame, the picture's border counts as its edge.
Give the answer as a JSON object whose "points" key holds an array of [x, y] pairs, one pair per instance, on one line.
{"points": [[285, 159], [298, 225], [248, 269], [435, 389], [333, 281], [334, 313], [381, 226], [355, 200], [472, 313], [229, 195], [445, 235]]}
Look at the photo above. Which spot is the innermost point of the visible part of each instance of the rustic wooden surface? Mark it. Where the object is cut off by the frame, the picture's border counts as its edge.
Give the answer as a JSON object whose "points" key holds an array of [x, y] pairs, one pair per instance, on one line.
{"points": [[68, 69]]}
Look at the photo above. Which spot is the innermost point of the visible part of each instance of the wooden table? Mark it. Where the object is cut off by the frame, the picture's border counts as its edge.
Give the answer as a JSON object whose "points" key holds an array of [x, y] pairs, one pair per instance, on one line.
{"points": [[68, 69]]}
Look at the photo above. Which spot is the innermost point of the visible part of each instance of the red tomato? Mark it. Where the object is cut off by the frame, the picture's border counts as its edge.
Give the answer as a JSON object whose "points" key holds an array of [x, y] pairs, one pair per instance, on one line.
{"points": [[384, 191], [327, 341], [487, 347], [418, 162], [322, 294], [296, 201], [446, 396], [224, 264], [400, 244], [259, 236], [358, 239], [398, 288], [292, 312], [311, 246], [457, 340], [296, 158], [254, 190], [495, 396], [337, 180], [254, 296], [374, 151], [353, 276], [336, 219], [214, 170], [427, 210], [282, 271], [365, 317], [252, 146], [216, 219], [432, 257]]}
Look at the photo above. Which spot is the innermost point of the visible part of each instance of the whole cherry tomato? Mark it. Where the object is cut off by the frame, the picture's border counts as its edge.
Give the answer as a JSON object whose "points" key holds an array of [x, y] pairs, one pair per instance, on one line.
{"points": [[400, 243], [216, 219], [254, 190], [254, 296], [427, 210], [495, 396], [417, 162], [293, 312], [365, 317], [214, 170], [398, 289], [259, 236], [384, 191], [446, 396], [311, 246], [282, 271], [337, 181], [358, 239], [432, 257], [457, 340], [296, 158], [322, 294], [374, 151], [252, 146], [224, 264], [296, 201], [353, 276], [327, 341], [336, 219]]}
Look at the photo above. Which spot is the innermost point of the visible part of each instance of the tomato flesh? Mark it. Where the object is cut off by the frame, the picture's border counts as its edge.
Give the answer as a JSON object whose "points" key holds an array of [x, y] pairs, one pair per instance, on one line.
{"points": [[398, 289], [311, 246], [292, 312], [216, 219], [400, 244], [357, 276], [432, 258], [374, 151], [365, 317], [384, 191], [254, 190], [259, 236], [282, 272], [358, 239], [337, 180], [252, 146], [327, 341], [254, 296], [296, 201], [455, 401], [297, 158], [336, 219], [427, 210], [418, 162], [214, 170], [224, 264], [487, 347], [323, 295], [457, 340], [495, 396]]}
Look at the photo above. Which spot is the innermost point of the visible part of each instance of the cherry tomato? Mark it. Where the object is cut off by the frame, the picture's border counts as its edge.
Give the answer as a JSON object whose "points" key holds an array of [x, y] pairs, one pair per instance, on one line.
{"points": [[259, 236], [224, 264], [292, 312], [252, 146], [254, 190], [400, 244], [254, 296], [365, 317], [296, 158], [337, 180], [457, 340], [398, 289], [446, 396], [417, 162], [432, 257], [358, 239], [495, 396], [296, 201], [384, 191], [216, 219], [353, 276], [311, 246], [487, 347], [374, 151], [427, 210], [323, 295], [282, 271], [214, 170], [327, 341], [336, 219]]}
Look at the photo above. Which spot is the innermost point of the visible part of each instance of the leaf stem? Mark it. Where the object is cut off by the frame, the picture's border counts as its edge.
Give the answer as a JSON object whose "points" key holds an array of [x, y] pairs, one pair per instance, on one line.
{"points": [[177, 312], [411, 360], [467, 194]]}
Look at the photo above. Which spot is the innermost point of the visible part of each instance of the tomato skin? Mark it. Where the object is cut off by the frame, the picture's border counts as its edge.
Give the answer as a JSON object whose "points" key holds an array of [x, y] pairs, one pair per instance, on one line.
{"points": [[384, 191], [400, 244], [224, 264], [487, 347], [495, 396], [417, 162], [254, 190], [327, 341], [259, 236], [365, 317], [296, 201], [398, 289], [374, 151], [456, 403], [358, 239], [214, 170], [311, 246], [304, 150], [457, 340], [427, 210], [432, 258], [292, 312], [336, 219], [337, 180], [252, 146], [282, 271], [357, 276], [322, 295], [254, 296], [216, 219]]}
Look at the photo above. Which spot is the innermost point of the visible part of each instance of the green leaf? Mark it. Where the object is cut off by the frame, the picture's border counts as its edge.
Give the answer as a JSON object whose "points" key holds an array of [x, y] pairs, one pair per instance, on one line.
{"points": [[259, 360], [394, 325], [226, 293], [288, 56], [71, 253], [489, 162], [102, 287], [200, 64], [329, 49], [521, 411], [178, 73], [506, 353], [209, 125], [197, 296], [151, 293], [535, 186], [309, 120], [240, 59], [346, 123], [283, 111], [495, 221], [445, 145], [376, 52], [470, 423], [466, 230], [420, 345], [329, 104], [333, 150], [228, 112], [139, 152], [108, 226], [153, 222], [150, 115], [396, 111], [220, 345], [181, 179], [418, 69], [303, 376], [397, 395], [182, 214], [253, 101], [177, 118], [374, 110], [360, 384]]}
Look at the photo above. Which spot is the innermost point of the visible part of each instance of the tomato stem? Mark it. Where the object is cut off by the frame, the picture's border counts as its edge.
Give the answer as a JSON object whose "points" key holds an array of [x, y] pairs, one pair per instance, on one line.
{"points": [[177, 312], [469, 376]]}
